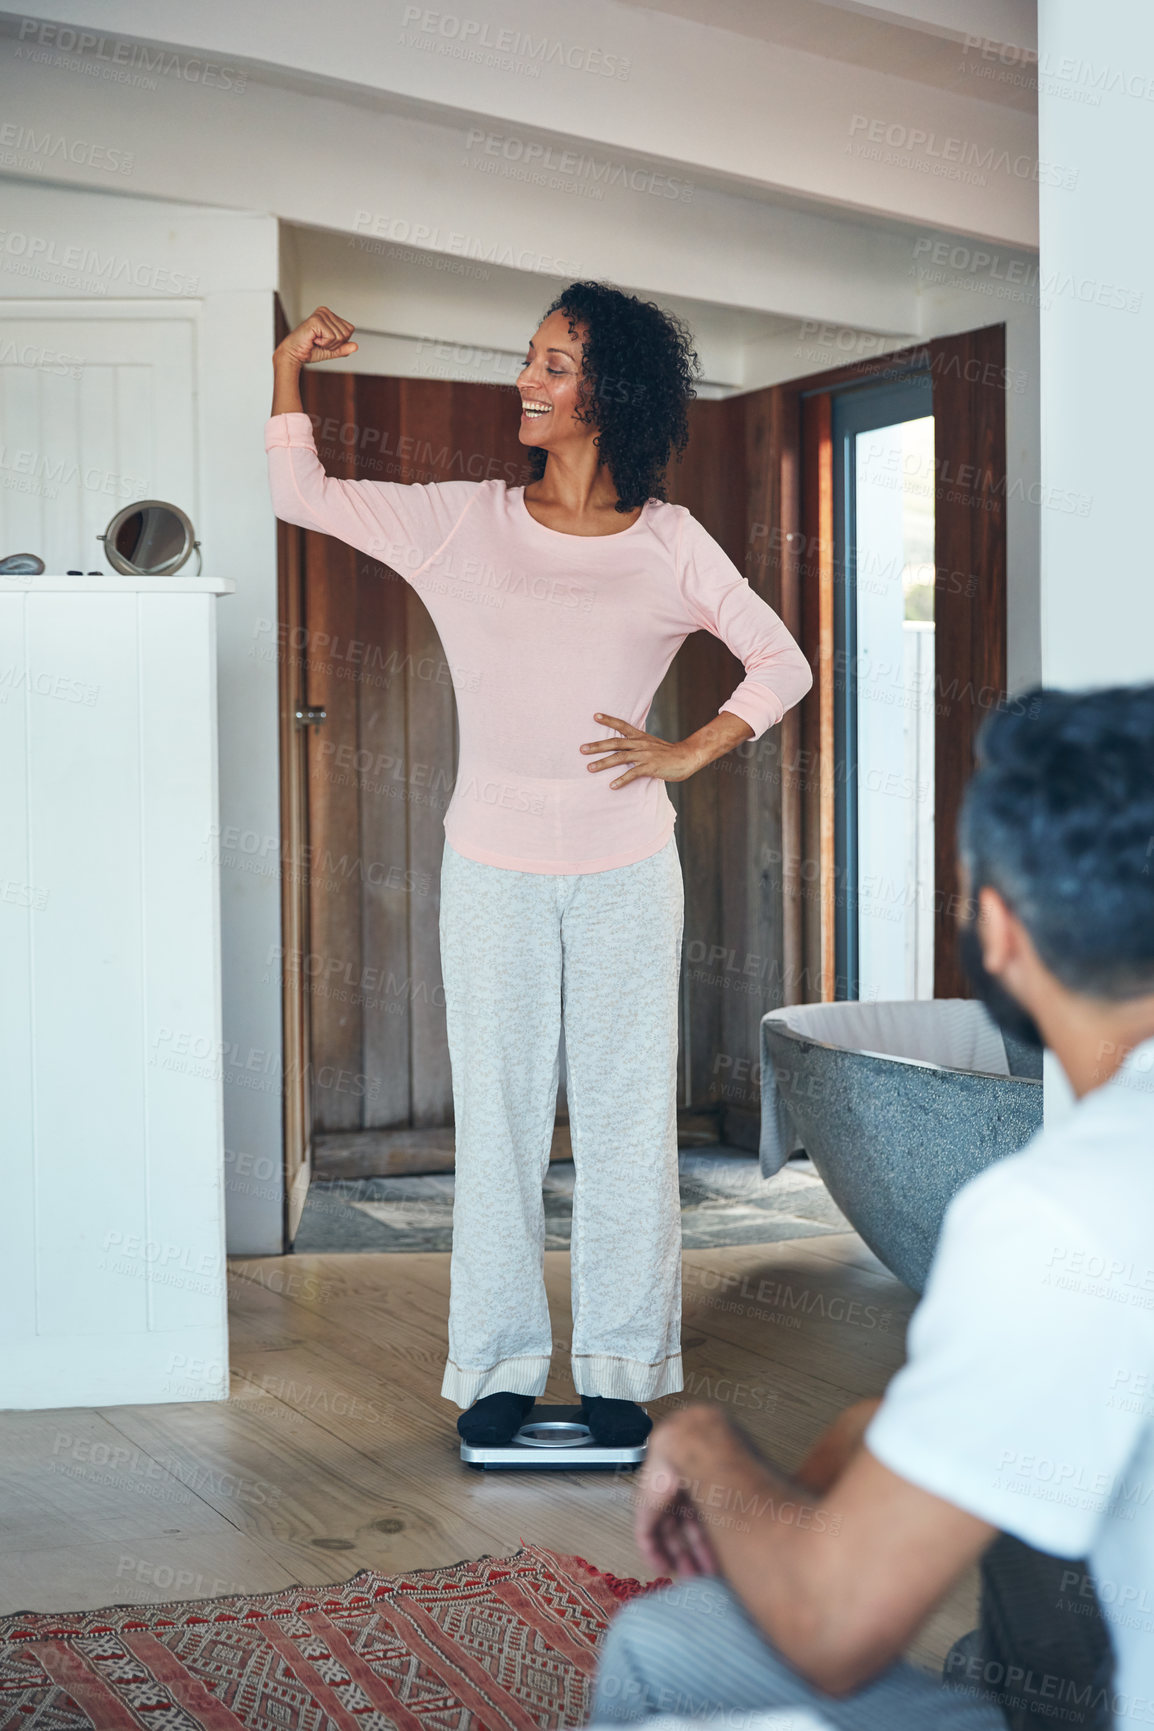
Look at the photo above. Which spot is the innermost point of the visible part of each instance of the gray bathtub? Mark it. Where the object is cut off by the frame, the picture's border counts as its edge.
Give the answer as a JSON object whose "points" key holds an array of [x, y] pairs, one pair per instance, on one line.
{"points": [[897, 1105]]}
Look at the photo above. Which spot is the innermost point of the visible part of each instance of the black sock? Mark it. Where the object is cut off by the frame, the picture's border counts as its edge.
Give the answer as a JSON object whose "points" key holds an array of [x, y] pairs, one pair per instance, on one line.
{"points": [[615, 1423], [494, 1418]]}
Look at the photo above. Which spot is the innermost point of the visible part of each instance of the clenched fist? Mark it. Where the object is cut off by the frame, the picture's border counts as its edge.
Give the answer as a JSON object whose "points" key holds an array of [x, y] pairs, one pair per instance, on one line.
{"points": [[323, 336]]}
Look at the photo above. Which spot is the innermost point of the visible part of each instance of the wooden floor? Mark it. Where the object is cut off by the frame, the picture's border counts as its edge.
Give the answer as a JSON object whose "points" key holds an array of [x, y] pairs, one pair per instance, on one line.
{"points": [[335, 1451]]}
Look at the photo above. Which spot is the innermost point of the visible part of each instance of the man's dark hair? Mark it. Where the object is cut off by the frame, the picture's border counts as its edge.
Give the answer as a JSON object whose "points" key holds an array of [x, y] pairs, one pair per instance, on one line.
{"points": [[1059, 819], [638, 375]]}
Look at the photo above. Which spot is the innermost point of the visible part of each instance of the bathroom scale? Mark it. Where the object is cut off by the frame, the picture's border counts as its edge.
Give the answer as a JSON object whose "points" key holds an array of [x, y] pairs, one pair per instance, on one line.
{"points": [[552, 1436]]}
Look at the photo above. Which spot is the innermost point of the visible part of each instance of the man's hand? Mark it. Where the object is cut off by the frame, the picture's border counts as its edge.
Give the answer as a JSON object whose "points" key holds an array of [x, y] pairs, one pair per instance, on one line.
{"points": [[665, 759], [838, 1582], [700, 1479], [668, 1533]]}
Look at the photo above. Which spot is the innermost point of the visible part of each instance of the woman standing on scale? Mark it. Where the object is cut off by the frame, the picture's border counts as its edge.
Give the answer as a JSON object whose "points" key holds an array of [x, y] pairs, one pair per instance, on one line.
{"points": [[561, 894]]}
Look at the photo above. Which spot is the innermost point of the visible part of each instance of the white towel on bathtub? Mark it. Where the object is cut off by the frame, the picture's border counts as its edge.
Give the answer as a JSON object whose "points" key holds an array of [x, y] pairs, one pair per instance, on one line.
{"points": [[950, 1033]]}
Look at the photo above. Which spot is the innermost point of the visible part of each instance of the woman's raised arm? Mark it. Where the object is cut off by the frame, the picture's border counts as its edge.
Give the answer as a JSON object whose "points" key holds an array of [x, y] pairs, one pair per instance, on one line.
{"points": [[400, 524], [323, 336]]}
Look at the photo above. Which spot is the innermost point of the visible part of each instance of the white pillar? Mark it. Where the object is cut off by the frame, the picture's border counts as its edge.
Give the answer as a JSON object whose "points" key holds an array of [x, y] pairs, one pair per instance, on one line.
{"points": [[1096, 155]]}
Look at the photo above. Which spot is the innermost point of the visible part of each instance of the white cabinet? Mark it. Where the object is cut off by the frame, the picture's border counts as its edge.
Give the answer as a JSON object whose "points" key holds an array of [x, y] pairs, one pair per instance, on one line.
{"points": [[112, 1275]]}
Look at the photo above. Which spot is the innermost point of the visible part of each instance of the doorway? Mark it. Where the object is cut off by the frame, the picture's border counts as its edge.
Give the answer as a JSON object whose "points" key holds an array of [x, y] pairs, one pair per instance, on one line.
{"points": [[883, 459], [780, 842], [901, 561]]}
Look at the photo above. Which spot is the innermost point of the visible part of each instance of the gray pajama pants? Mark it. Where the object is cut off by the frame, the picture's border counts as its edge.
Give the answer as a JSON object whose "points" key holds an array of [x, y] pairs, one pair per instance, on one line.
{"points": [[520, 951], [689, 1652]]}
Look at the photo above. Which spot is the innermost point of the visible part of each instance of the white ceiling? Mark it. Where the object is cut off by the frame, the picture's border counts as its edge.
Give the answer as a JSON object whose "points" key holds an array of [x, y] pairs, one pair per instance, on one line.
{"points": [[839, 30]]}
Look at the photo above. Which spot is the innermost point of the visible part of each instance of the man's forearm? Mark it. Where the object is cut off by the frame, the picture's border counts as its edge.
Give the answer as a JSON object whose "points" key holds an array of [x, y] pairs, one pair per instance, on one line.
{"points": [[837, 1583]]}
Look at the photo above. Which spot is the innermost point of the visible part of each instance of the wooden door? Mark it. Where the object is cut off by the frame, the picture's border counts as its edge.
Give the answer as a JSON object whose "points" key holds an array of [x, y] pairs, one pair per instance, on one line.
{"points": [[295, 1000], [97, 415], [292, 698]]}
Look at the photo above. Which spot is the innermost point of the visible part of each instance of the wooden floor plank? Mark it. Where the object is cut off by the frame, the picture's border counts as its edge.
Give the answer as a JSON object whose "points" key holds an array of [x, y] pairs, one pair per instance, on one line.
{"points": [[336, 1451], [70, 1478], [302, 1493], [150, 1570]]}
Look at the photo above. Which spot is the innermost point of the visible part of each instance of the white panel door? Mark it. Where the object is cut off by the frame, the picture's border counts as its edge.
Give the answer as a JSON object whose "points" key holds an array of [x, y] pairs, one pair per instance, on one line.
{"points": [[95, 412]]}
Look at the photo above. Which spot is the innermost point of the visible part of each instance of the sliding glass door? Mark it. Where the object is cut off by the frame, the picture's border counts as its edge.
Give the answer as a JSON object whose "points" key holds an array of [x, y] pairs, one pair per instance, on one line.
{"points": [[883, 495]]}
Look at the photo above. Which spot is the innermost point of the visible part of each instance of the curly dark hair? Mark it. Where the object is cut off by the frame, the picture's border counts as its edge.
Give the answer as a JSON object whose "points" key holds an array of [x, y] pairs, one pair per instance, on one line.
{"points": [[637, 377]]}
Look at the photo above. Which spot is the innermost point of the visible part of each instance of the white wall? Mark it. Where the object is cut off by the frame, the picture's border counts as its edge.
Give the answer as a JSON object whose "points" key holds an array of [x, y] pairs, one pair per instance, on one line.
{"points": [[389, 203], [1097, 346], [75, 248], [1097, 357], [635, 81]]}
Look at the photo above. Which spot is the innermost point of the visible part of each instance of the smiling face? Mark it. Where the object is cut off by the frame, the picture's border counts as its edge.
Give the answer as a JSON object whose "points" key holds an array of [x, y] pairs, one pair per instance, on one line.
{"points": [[549, 383]]}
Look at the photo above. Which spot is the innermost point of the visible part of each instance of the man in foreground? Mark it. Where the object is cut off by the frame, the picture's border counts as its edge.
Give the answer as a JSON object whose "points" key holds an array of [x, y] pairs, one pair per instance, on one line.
{"points": [[1027, 1404]]}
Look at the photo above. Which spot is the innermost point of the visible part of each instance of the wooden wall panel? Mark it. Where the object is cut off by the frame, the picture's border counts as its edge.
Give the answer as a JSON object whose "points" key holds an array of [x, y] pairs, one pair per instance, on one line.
{"points": [[970, 600], [730, 833], [335, 915], [388, 890], [426, 414], [709, 482], [383, 764], [815, 712]]}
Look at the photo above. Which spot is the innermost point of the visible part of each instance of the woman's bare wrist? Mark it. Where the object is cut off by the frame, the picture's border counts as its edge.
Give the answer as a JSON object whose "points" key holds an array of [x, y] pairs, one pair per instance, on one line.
{"points": [[286, 393]]}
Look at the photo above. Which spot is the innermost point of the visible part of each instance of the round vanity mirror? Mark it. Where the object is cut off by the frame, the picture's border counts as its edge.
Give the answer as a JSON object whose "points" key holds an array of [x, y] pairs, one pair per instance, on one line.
{"points": [[149, 539]]}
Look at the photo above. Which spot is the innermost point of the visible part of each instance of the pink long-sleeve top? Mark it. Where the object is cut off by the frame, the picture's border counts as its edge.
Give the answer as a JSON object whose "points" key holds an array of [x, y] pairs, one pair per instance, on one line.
{"points": [[541, 631]]}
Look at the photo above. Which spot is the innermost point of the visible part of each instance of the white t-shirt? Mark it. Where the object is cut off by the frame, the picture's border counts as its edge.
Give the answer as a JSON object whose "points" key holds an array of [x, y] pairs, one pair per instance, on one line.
{"points": [[1028, 1398]]}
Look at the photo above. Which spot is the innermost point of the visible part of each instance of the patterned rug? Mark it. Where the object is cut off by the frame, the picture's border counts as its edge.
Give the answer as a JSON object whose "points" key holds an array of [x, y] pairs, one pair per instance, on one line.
{"points": [[724, 1200], [501, 1644]]}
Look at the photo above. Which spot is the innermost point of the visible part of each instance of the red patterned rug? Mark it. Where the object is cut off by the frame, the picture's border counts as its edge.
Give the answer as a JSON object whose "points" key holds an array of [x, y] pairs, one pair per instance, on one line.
{"points": [[504, 1642]]}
